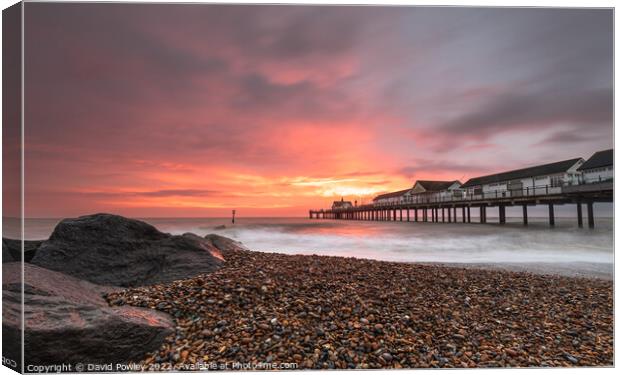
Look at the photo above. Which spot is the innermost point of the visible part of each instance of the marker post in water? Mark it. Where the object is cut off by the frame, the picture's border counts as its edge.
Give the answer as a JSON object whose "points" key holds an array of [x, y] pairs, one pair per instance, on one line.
{"points": [[233, 216]]}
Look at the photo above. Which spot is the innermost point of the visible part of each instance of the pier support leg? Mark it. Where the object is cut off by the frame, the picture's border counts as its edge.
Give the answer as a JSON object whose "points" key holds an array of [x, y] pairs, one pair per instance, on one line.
{"points": [[415, 215], [524, 214], [394, 215], [425, 214], [463, 213], [482, 214], [579, 215], [443, 214], [468, 214], [407, 214], [454, 217], [449, 215], [551, 215], [590, 215], [502, 214], [401, 214]]}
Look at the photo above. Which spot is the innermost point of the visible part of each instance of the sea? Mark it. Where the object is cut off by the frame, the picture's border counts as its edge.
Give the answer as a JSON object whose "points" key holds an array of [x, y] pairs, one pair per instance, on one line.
{"points": [[565, 245]]}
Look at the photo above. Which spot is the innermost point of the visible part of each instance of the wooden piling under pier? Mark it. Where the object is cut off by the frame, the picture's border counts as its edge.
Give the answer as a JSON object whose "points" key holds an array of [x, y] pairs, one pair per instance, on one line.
{"points": [[591, 214], [551, 215]]}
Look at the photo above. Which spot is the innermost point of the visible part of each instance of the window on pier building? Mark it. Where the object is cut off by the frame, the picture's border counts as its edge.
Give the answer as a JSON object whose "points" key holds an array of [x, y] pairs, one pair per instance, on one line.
{"points": [[556, 181]]}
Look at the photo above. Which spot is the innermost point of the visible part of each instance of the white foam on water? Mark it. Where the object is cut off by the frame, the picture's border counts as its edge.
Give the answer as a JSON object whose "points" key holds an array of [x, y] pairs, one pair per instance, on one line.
{"points": [[402, 241]]}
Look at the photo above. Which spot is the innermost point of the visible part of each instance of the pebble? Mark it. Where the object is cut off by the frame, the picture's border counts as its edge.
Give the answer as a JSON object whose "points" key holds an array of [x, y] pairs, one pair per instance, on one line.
{"points": [[572, 359], [328, 312]]}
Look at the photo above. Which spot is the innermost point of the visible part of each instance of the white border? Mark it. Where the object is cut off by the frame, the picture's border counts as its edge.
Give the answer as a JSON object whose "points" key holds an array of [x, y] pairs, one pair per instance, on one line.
{"points": [[484, 3]]}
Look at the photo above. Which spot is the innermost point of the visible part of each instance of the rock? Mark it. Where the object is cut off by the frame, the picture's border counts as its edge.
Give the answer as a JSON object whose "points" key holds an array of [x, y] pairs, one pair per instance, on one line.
{"points": [[113, 250], [6, 254], [67, 320], [571, 359], [11, 250], [224, 243]]}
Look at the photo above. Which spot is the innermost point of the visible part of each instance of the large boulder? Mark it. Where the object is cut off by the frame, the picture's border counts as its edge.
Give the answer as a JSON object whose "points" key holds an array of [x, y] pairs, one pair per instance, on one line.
{"points": [[67, 320], [113, 250], [12, 250]]}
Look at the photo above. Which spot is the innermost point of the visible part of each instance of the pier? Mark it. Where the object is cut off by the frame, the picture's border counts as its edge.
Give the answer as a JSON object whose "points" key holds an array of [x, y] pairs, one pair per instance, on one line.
{"points": [[458, 209]]}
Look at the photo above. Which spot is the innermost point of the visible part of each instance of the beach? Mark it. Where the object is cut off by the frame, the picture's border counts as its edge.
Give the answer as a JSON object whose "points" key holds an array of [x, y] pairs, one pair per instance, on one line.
{"points": [[306, 311]]}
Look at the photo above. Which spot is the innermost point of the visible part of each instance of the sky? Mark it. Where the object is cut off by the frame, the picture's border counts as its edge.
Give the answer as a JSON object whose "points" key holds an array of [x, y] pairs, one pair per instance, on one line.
{"points": [[177, 110]]}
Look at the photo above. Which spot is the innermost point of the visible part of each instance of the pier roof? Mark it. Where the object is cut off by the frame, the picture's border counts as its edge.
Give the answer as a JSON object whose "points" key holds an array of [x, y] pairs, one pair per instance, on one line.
{"points": [[599, 159], [431, 186], [538, 170], [391, 195]]}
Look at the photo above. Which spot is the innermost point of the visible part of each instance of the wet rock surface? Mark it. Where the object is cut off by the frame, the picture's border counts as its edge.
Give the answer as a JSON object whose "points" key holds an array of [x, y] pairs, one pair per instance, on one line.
{"points": [[113, 250], [12, 252], [330, 312], [67, 320]]}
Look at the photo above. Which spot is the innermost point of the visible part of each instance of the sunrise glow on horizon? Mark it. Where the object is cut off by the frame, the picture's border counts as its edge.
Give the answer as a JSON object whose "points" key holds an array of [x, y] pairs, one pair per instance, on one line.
{"points": [[194, 110]]}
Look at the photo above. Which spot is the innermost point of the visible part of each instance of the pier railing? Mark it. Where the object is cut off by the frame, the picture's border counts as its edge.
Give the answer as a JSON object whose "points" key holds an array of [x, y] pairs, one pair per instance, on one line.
{"points": [[464, 195]]}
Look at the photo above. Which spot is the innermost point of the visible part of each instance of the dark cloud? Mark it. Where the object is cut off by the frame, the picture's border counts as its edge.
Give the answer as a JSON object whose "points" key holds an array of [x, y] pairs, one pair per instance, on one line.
{"points": [[523, 111], [165, 193], [178, 193], [422, 166], [566, 137]]}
